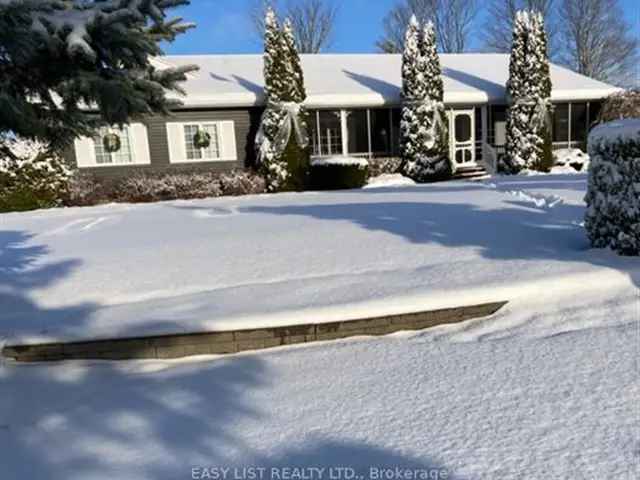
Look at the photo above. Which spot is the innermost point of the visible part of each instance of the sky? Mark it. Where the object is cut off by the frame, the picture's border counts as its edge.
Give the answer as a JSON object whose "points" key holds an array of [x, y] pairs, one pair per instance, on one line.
{"points": [[223, 26]]}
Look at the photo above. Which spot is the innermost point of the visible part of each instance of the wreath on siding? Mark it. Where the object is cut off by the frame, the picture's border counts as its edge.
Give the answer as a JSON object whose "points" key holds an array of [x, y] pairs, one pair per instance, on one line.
{"points": [[111, 142], [202, 139]]}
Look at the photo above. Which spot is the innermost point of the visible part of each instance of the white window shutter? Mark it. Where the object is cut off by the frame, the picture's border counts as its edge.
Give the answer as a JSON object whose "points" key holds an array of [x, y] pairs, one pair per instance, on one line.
{"points": [[140, 141], [85, 152], [175, 139], [227, 138]]}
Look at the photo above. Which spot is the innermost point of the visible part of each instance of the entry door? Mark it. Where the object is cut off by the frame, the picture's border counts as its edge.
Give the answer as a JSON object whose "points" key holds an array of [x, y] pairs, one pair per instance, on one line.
{"points": [[463, 138]]}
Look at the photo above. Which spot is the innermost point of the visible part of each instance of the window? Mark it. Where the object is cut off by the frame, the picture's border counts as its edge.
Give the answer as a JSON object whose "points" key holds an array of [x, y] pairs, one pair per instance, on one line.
{"points": [[498, 125], [594, 113], [358, 128], [123, 156], [561, 123], [396, 115], [578, 124], [330, 127], [462, 128], [212, 152], [222, 141], [381, 137], [313, 133]]}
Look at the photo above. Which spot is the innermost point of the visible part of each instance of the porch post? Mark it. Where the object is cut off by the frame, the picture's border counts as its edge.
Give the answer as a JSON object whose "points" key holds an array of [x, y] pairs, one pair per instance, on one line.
{"points": [[485, 125], [369, 132], [345, 132]]}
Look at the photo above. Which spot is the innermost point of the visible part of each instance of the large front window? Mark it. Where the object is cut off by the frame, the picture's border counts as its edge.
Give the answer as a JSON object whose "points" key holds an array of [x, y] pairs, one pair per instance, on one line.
{"points": [[360, 132], [571, 123]]}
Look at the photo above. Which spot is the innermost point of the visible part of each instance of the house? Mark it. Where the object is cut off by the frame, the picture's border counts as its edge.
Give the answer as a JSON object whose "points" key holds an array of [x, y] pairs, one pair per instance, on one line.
{"points": [[354, 103]]}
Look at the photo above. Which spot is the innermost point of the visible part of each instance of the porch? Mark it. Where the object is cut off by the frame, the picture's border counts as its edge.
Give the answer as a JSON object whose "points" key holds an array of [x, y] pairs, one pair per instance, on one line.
{"points": [[477, 133]]}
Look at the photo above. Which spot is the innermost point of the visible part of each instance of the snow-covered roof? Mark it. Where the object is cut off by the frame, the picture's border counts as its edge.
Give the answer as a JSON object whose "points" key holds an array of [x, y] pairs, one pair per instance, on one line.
{"points": [[345, 80]]}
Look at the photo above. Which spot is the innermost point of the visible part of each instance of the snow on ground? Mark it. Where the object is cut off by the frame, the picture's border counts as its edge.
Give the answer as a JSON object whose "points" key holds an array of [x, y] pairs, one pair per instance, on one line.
{"points": [[186, 266], [389, 180], [570, 160], [546, 388], [340, 160], [518, 396]]}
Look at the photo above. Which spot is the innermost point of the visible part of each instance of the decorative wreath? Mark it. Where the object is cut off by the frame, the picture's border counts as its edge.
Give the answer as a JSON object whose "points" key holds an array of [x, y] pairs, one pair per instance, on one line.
{"points": [[202, 139], [111, 142]]}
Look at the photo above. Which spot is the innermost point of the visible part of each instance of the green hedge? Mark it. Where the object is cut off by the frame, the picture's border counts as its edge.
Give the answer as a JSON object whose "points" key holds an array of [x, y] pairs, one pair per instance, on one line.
{"points": [[338, 176]]}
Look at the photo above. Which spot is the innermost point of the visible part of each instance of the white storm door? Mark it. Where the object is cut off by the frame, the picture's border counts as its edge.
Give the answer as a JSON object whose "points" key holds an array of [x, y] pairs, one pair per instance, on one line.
{"points": [[463, 145]]}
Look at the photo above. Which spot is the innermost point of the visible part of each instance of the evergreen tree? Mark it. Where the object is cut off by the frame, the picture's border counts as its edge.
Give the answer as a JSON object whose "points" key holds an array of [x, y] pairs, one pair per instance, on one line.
{"points": [[284, 157], [56, 56], [424, 144], [529, 87]]}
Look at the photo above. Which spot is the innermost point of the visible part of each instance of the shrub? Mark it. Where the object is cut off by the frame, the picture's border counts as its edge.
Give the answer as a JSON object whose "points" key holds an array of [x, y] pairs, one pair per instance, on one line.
{"points": [[86, 190], [31, 176], [144, 187], [387, 165], [621, 105], [339, 173], [613, 196]]}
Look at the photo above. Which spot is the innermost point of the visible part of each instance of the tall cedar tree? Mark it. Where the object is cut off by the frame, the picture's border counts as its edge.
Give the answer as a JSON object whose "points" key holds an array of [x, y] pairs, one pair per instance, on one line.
{"points": [[529, 118], [284, 83], [56, 56], [424, 132]]}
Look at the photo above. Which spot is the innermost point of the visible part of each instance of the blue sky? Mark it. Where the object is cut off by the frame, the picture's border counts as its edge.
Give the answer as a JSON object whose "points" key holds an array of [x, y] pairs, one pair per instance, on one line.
{"points": [[224, 26]]}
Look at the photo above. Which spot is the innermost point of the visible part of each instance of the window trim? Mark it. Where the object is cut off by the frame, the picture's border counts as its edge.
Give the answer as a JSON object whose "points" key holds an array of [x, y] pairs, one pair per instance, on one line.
{"points": [[84, 149], [200, 124]]}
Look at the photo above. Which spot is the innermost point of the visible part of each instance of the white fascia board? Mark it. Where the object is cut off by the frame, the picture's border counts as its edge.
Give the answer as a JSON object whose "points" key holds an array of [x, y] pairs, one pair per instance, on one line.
{"points": [[582, 95], [232, 100]]}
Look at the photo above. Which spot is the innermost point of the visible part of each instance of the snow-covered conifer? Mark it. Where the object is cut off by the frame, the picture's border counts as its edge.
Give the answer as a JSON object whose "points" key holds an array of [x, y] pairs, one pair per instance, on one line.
{"points": [[282, 140], [529, 87], [424, 144], [31, 175], [57, 55]]}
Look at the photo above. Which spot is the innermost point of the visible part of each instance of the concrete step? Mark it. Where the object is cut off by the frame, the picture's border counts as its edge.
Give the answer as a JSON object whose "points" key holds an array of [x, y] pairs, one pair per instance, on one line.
{"points": [[471, 173]]}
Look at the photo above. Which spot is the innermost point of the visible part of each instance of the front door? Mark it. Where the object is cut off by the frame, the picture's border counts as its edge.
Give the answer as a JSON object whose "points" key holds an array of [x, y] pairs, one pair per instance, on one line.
{"points": [[463, 138]]}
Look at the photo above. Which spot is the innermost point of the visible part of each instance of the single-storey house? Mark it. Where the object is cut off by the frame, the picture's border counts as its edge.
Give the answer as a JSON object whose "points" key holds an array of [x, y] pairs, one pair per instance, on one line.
{"points": [[354, 103]]}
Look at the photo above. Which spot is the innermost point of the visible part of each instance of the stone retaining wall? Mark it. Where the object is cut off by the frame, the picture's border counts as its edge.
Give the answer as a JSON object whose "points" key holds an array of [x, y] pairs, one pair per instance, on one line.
{"points": [[182, 345]]}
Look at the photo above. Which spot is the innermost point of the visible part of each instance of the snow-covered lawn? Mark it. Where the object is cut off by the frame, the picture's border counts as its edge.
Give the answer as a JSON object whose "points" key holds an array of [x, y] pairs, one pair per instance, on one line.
{"points": [[532, 394], [123, 270], [546, 388]]}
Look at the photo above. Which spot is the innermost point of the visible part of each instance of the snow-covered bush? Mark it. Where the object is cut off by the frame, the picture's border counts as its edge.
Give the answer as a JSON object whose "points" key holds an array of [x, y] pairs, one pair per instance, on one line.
{"points": [[423, 128], [338, 173], [613, 196], [89, 190], [386, 165], [621, 105], [31, 176], [529, 116], [571, 158]]}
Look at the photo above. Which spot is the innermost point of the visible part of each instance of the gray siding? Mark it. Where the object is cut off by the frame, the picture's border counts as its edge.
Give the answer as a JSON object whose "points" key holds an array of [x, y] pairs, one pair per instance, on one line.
{"points": [[246, 122]]}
